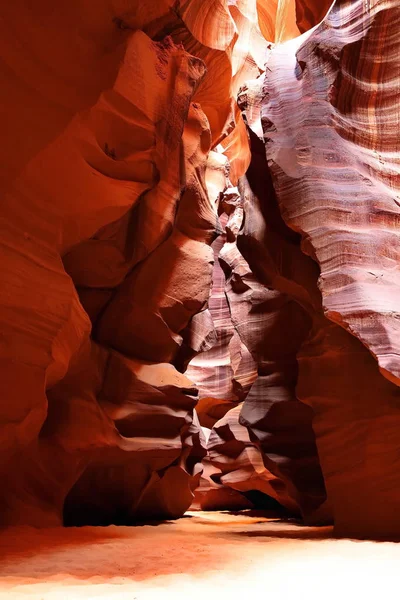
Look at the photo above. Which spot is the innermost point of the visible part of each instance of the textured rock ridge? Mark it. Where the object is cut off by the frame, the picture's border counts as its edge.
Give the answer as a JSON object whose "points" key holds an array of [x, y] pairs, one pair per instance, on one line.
{"points": [[341, 142], [279, 459], [109, 200], [330, 109], [117, 137], [327, 114]]}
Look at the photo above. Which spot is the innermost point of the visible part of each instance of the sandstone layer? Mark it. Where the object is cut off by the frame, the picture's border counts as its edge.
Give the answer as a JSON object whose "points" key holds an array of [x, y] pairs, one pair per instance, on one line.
{"points": [[105, 212], [330, 117], [120, 132]]}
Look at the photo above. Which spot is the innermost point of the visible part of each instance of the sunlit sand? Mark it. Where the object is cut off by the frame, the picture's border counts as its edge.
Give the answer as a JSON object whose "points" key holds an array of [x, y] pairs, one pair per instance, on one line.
{"points": [[203, 555]]}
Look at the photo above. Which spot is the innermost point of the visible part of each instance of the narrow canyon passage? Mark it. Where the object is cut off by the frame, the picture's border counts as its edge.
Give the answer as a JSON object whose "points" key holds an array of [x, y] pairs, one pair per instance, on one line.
{"points": [[200, 307]]}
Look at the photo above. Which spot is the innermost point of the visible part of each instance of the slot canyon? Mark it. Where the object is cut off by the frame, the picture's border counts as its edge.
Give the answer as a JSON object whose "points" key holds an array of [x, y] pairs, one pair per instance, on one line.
{"points": [[200, 299]]}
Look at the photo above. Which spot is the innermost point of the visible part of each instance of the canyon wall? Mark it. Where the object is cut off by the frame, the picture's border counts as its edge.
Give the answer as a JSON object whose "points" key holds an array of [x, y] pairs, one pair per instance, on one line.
{"points": [[330, 118], [200, 259], [110, 180]]}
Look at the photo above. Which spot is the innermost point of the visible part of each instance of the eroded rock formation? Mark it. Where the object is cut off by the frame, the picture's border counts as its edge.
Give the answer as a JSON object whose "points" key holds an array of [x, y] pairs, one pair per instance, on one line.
{"points": [[334, 155], [108, 215], [200, 208]]}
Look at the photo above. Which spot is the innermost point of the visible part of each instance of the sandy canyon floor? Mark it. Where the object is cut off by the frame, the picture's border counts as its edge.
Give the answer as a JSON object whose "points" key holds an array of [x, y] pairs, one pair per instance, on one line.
{"points": [[203, 555]]}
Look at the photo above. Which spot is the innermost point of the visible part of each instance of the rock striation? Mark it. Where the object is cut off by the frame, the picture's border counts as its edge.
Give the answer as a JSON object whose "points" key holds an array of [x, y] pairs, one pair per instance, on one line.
{"points": [[329, 113]]}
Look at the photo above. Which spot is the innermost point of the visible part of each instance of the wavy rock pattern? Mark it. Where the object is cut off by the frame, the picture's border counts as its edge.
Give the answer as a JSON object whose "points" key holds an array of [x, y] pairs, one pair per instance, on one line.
{"points": [[270, 325], [112, 190], [117, 137], [359, 187], [329, 114]]}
